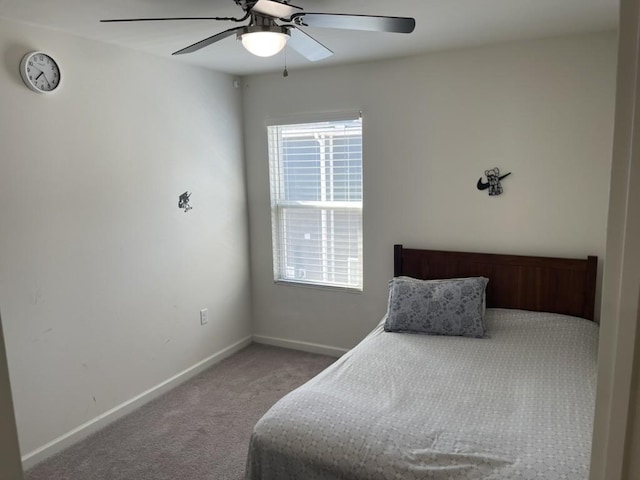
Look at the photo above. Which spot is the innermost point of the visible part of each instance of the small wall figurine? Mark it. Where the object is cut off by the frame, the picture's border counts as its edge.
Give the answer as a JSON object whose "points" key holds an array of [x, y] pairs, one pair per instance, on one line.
{"points": [[183, 202], [493, 181]]}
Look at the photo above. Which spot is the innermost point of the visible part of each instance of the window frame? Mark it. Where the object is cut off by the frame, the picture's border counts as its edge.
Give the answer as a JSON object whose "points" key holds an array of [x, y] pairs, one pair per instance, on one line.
{"points": [[278, 204]]}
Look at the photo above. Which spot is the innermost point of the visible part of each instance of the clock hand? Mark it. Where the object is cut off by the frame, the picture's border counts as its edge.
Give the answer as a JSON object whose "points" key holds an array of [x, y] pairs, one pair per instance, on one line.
{"points": [[45, 77], [42, 74]]}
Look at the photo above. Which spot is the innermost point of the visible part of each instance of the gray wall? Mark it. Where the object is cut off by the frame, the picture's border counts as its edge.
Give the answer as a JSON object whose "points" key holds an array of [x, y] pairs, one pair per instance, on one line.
{"points": [[431, 125], [101, 275], [10, 465], [616, 440]]}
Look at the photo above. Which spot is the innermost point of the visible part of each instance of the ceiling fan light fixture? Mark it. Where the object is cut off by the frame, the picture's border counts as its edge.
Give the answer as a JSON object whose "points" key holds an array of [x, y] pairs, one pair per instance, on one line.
{"points": [[264, 40]]}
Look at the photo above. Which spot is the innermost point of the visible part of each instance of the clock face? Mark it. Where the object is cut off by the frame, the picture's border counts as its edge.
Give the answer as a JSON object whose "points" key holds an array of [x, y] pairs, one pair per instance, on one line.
{"points": [[40, 72]]}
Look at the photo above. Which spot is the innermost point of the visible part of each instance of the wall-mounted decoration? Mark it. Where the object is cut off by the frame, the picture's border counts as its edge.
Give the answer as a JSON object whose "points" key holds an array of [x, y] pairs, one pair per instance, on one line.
{"points": [[183, 202], [493, 181]]}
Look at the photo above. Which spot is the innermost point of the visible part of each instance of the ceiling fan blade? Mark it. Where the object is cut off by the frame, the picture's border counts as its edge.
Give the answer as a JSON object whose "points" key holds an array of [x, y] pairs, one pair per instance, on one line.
{"points": [[307, 46], [207, 41], [371, 23], [114, 20], [274, 9]]}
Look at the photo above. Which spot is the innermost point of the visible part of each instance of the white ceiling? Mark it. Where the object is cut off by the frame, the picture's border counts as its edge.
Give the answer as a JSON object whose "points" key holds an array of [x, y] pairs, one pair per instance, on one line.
{"points": [[440, 24]]}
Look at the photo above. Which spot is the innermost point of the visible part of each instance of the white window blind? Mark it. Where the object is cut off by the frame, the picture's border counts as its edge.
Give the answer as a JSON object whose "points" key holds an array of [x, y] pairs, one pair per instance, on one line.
{"points": [[316, 202]]}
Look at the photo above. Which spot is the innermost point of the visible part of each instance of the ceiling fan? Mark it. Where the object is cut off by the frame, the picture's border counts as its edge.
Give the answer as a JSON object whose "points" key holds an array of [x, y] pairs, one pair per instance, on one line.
{"points": [[273, 24]]}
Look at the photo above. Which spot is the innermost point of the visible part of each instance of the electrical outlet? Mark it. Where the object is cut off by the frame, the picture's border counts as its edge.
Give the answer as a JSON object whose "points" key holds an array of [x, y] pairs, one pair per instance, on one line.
{"points": [[204, 316]]}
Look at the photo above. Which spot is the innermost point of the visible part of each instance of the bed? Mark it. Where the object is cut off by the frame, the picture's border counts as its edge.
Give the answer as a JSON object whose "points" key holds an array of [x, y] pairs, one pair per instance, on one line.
{"points": [[517, 404]]}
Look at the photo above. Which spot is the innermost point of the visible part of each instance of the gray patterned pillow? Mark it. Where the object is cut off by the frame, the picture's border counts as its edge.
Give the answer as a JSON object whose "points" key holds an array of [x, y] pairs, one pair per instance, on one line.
{"points": [[437, 307]]}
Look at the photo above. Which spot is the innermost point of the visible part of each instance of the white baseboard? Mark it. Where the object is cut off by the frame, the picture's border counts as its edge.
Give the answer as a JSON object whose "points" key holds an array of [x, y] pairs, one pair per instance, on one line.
{"points": [[101, 421], [303, 346]]}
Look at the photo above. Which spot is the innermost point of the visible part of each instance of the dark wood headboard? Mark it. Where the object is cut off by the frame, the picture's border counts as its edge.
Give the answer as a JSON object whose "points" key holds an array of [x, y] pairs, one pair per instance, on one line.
{"points": [[544, 284]]}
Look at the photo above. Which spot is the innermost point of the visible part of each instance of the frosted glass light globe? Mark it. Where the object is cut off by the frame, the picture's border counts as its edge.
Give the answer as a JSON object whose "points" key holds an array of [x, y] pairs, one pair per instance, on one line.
{"points": [[264, 43]]}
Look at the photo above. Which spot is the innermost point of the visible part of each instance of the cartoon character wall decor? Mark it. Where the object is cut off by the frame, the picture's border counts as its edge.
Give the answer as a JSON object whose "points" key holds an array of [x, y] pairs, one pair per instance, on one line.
{"points": [[493, 181], [183, 202]]}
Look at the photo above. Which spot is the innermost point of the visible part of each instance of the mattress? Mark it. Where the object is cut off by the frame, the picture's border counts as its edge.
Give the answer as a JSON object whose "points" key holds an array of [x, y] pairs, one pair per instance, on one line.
{"points": [[516, 405]]}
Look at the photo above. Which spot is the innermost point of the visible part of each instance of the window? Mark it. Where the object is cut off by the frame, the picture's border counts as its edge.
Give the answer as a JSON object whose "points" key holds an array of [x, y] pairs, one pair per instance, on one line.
{"points": [[316, 202]]}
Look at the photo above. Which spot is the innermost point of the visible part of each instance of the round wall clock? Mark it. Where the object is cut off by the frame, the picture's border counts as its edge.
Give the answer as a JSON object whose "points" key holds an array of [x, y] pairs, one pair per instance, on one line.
{"points": [[40, 72]]}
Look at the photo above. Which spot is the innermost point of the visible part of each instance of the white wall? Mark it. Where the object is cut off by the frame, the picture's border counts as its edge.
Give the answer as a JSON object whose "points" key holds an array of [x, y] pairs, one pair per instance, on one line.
{"points": [[432, 124], [101, 275]]}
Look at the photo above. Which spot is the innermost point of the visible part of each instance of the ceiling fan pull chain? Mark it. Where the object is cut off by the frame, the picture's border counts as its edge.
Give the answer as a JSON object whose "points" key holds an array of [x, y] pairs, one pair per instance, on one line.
{"points": [[285, 74]]}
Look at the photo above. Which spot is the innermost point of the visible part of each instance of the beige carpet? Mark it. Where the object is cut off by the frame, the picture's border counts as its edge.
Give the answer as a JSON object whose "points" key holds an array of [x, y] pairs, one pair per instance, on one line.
{"points": [[198, 431]]}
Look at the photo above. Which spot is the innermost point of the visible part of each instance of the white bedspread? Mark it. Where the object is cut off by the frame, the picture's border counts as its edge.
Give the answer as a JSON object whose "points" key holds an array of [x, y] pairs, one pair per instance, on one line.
{"points": [[517, 405]]}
